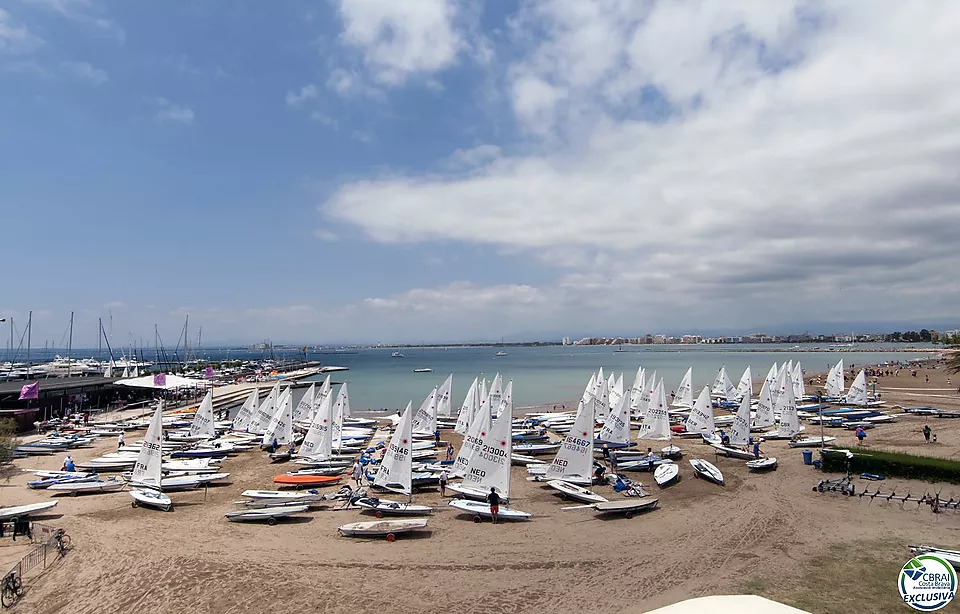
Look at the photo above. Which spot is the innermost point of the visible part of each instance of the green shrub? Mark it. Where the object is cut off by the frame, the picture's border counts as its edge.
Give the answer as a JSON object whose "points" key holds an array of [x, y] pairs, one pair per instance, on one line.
{"points": [[894, 464]]}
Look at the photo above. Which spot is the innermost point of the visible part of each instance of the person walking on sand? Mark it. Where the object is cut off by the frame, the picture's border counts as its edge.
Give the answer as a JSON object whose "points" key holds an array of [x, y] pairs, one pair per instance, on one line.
{"points": [[119, 441], [861, 434], [443, 483], [494, 500], [436, 437], [926, 433], [358, 474], [449, 451]]}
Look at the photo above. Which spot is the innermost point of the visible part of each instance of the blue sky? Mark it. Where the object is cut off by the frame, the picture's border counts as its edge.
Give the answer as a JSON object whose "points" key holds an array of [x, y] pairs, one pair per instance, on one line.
{"points": [[364, 170]]}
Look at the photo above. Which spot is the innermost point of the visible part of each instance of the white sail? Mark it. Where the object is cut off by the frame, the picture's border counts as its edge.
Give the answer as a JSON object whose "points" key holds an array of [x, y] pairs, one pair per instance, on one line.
{"points": [[591, 388], [722, 385], [443, 397], [636, 391], [108, 372], [647, 394], [779, 392], [472, 439], [746, 383], [396, 468], [135, 372], [799, 390], [319, 438], [280, 428], [489, 467], [616, 392], [321, 394], [857, 395], [740, 435], [574, 459], [601, 400], [616, 429], [245, 414], [700, 419], [425, 420], [147, 468], [772, 376], [126, 372], [483, 388], [835, 383], [337, 415], [611, 382], [203, 419], [261, 417], [656, 422], [764, 406], [470, 404], [684, 394], [304, 409], [495, 395], [789, 421], [506, 400]]}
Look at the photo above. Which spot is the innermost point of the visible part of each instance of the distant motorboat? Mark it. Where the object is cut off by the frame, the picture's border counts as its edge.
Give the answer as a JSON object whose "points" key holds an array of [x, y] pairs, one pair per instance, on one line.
{"points": [[423, 370], [397, 355], [500, 353]]}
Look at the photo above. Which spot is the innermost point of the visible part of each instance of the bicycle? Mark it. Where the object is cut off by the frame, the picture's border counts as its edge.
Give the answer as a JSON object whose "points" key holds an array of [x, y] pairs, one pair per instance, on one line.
{"points": [[12, 589], [62, 541]]}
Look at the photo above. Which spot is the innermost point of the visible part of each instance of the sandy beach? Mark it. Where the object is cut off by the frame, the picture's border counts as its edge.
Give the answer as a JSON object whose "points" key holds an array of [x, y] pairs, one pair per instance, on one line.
{"points": [[767, 534]]}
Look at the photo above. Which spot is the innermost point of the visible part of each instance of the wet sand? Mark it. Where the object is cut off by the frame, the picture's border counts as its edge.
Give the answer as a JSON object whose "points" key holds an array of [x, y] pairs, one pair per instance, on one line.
{"points": [[762, 533]]}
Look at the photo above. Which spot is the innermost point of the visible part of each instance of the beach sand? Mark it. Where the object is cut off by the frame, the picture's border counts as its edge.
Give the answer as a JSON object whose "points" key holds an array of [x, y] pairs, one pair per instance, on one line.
{"points": [[767, 534]]}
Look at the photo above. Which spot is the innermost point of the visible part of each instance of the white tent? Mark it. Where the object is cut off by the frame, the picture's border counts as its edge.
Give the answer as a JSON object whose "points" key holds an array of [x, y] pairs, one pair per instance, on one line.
{"points": [[172, 382], [728, 604]]}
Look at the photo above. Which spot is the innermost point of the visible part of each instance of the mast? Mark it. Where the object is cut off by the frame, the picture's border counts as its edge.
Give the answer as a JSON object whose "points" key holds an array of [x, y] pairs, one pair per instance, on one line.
{"points": [[100, 340], [70, 345], [29, 334]]}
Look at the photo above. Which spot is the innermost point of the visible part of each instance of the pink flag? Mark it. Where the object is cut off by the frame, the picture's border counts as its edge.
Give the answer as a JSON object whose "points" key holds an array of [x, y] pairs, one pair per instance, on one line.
{"points": [[160, 379], [30, 391], [208, 372]]}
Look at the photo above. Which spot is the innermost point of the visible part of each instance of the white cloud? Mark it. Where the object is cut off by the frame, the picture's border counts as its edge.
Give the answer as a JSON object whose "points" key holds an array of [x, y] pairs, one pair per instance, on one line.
{"points": [[84, 71], [307, 92], [173, 113], [16, 39], [714, 158], [474, 156], [85, 12], [400, 39]]}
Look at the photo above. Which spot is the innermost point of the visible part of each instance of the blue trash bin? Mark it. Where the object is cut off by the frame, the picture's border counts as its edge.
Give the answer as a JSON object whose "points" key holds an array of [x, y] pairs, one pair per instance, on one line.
{"points": [[808, 457]]}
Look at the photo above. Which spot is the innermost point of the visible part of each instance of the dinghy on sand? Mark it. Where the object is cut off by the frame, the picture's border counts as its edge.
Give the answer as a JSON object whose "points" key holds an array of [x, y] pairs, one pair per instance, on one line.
{"points": [[480, 510], [572, 491], [666, 474], [87, 487], [303, 480], [628, 507], [265, 514], [707, 471], [280, 495], [151, 498], [383, 507], [26, 510], [762, 464], [382, 528]]}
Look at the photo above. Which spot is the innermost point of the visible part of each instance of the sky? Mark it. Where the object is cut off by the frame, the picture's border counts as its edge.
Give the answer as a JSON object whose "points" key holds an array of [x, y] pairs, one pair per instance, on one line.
{"points": [[457, 170]]}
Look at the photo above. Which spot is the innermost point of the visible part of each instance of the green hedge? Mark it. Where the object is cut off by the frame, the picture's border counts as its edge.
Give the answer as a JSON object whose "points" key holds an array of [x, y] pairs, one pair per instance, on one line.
{"points": [[894, 464]]}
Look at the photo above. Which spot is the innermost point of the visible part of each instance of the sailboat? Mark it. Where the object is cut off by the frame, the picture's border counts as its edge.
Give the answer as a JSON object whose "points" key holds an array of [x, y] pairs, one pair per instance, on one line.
{"points": [[616, 430], [746, 383], [304, 409], [684, 394], [700, 420], [280, 428], [489, 469], [245, 414], [835, 383], [264, 413], [443, 397], [203, 425], [764, 417], [472, 445], [147, 470], [656, 423], [857, 395], [574, 460], [425, 422], [395, 473], [471, 403], [740, 433]]}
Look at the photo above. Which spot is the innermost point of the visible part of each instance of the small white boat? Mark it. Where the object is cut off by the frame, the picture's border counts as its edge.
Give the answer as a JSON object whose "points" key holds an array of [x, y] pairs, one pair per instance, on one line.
{"points": [[26, 510], [265, 514], [281, 495], [384, 507], [424, 370], [523, 459], [536, 448], [666, 473], [382, 528], [85, 488], [627, 507], [470, 492], [883, 419], [481, 510], [671, 451], [706, 470], [762, 464], [572, 491], [812, 442], [151, 498]]}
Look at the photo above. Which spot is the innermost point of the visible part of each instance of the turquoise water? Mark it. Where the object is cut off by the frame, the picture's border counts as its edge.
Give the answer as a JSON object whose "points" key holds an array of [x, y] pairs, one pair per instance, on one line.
{"points": [[558, 374]]}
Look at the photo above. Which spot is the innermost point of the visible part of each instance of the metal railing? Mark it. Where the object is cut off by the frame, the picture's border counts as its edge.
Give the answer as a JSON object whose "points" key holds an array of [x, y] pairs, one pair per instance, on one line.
{"points": [[44, 537]]}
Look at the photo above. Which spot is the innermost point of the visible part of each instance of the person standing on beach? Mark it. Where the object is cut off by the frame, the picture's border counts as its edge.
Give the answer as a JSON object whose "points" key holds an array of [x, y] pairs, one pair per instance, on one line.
{"points": [[756, 448], [443, 483], [494, 500], [861, 434], [119, 441], [358, 474], [436, 437], [449, 451], [926, 433]]}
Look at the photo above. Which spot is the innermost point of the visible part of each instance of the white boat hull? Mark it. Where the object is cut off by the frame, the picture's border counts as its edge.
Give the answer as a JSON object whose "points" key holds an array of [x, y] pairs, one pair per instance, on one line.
{"points": [[151, 498], [572, 491], [482, 510]]}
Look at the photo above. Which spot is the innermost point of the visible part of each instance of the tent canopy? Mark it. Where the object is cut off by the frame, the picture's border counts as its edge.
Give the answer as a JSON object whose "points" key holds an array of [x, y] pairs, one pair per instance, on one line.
{"points": [[173, 381]]}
